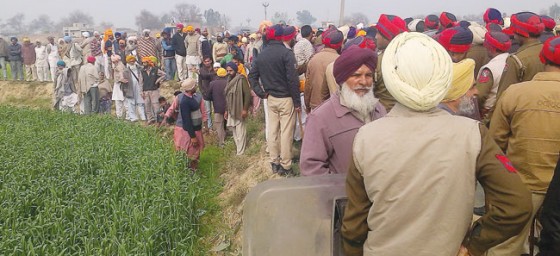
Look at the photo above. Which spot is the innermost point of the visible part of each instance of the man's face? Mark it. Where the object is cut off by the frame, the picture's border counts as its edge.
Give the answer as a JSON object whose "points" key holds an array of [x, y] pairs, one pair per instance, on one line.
{"points": [[111, 37], [230, 71], [190, 32], [97, 36], [205, 33], [207, 62], [14, 41], [467, 103], [361, 82], [38, 44], [51, 40], [382, 42], [122, 44], [101, 76], [220, 39], [146, 64], [458, 56]]}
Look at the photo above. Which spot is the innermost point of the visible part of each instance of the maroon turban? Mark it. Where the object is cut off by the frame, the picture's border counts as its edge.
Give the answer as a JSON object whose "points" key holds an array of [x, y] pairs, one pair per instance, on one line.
{"points": [[91, 59], [351, 60], [333, 38]]}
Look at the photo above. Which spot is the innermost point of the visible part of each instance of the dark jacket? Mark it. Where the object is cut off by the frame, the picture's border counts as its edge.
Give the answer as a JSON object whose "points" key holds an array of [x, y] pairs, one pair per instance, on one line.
{"points": [[178, 42], [14, 52], [550, 218], [276, 69], [206, 48], [204, 79], [217, 94]]}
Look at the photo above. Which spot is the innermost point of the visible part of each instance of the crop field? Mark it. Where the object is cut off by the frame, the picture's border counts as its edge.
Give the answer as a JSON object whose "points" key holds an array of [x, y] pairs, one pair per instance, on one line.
{"points": [[75, 185]]}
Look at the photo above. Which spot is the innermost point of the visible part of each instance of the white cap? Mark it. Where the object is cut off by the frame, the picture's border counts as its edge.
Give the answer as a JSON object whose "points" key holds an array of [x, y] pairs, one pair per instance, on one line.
{"points": [[217, 65]]}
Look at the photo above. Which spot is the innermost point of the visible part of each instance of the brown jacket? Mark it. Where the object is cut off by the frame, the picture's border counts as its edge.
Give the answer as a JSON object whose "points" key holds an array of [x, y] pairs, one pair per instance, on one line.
{"points": [[315, 91], [379, 90], [514, 73], [479, 54], [526, 125], [422, 188]]}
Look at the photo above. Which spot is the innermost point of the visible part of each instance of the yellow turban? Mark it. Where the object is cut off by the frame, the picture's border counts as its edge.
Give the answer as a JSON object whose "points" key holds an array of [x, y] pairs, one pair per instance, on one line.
{"points": [[221, 72], [154, 60], [190, 28], [463, 79], [147, 60], [130, 58], [361, 33]]}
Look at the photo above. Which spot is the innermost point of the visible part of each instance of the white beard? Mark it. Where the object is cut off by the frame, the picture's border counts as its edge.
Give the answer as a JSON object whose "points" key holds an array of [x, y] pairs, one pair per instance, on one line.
{"points": [[466, 106], [363, 105]]}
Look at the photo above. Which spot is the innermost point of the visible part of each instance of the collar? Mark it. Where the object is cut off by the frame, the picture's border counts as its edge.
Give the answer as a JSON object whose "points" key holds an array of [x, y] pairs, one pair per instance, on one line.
{"points": [[327, 49], [525, 46], [402, 111], [547, 76], [340, 110]]}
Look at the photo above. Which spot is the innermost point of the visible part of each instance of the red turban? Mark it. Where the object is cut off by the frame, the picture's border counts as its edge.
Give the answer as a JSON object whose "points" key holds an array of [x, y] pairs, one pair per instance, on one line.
{"points": [[493, 16], [351, 60], [333, 38], [91, 59], [549, 23], [432, 22], [456, 39], [390, 26], [497, 40], [448, 20], [527, 24], [551, 51]]}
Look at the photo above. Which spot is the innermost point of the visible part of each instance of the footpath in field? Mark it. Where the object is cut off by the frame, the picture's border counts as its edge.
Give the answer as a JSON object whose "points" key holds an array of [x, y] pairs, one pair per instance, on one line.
{"points": [[230, 177]]}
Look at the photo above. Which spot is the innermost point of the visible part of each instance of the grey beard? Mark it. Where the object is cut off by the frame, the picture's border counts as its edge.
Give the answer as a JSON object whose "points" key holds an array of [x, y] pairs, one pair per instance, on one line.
{"points": [[362, 105], [466, 106]]}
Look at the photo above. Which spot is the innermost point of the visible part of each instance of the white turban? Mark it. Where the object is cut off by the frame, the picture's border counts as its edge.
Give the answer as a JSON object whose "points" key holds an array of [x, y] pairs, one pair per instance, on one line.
{"points": [[85, 34], [478, 33], [417, 70], [412, 25], [146, 31], [96, 33]]}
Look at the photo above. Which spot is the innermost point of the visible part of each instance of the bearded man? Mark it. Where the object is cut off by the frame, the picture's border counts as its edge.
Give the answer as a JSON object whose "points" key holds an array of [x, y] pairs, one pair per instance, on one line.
{"points": [[331, 127], [459, 100]]}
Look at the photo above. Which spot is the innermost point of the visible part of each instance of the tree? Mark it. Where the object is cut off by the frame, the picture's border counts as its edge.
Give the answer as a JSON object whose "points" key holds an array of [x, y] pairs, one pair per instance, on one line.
{"points": [[147, 20], [305, 18], [279, 17], [16, 24], [43, 24], [554, 11], [213, 18], [356, 18], [75, 17], [186, 13]]}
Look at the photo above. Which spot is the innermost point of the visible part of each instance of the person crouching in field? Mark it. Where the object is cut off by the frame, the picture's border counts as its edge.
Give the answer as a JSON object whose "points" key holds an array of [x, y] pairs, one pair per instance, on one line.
{"points": [[187, 134], [65, 96]]}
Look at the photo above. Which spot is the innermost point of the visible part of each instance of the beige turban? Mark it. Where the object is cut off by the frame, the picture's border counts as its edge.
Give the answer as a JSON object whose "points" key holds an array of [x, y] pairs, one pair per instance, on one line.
{"points": [[422, 83], [478, 33], [188, 84], [463, 79]]}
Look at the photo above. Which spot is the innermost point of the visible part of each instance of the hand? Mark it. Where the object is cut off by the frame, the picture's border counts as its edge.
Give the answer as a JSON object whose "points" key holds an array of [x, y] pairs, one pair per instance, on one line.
{"points": [[463, 251], [194, 142], [244, 114], [298, 110]]}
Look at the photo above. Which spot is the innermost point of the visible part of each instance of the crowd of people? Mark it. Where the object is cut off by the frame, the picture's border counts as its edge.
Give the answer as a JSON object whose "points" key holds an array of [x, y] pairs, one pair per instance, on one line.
{"points": [[421, 114]]}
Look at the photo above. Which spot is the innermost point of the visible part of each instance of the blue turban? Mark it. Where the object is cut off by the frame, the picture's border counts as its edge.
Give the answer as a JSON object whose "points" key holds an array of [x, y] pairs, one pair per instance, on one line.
{"points": [[61, 63], [233, 66], [67, 39]]}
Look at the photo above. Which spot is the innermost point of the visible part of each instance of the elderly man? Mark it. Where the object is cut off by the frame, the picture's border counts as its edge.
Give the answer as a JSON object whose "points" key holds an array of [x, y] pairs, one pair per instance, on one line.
{"points": [[53, 56], [238, 99], [95, 47], [41, 62], [147, 46], [459, 100], [409, 192], [316, 90], [65, 93], [388, 26], [192, 44], [526, 126], [86, 46], [88, 80], [276, 69], [331, 127]]}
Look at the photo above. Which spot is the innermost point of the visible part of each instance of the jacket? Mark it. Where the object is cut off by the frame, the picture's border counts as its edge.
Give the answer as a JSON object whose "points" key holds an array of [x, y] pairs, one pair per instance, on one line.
{"points": [[3, 48], [276, 69], [87, 77], [14, 51], [178, 43], [422, 188], [217, 94], [329, 132], [204, 79], [549, 244], [526, 125], [168, 49], [28, 54], [192, 45], [316, 89], [479, 54], [487, 82], [516, 72], [219, 50]]}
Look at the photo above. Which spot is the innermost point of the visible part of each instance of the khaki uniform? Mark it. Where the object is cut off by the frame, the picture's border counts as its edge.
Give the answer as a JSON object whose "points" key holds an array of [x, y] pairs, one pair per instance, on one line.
{"points": [[423, 190], [479, 54], [526, 125], [487, 83], [316, 89], [379, 90], [528, 54]]}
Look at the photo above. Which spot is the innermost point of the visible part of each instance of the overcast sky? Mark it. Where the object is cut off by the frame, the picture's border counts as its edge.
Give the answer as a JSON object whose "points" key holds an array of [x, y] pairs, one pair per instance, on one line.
{"points": [[122, 12]]}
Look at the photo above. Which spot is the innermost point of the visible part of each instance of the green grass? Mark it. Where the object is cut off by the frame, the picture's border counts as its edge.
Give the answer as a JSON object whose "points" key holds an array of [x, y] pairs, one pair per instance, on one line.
{"points": [[75, 185]]}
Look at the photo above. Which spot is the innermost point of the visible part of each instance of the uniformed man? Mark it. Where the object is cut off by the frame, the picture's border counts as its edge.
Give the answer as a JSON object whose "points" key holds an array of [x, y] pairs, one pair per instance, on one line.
{"points": [[524, 64], [477, 52], [409, 192], [447, 20], [388, 27], [526, 126], [497, 44], [549, 25], [493, 16], [432, 25], [457, 41]]}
